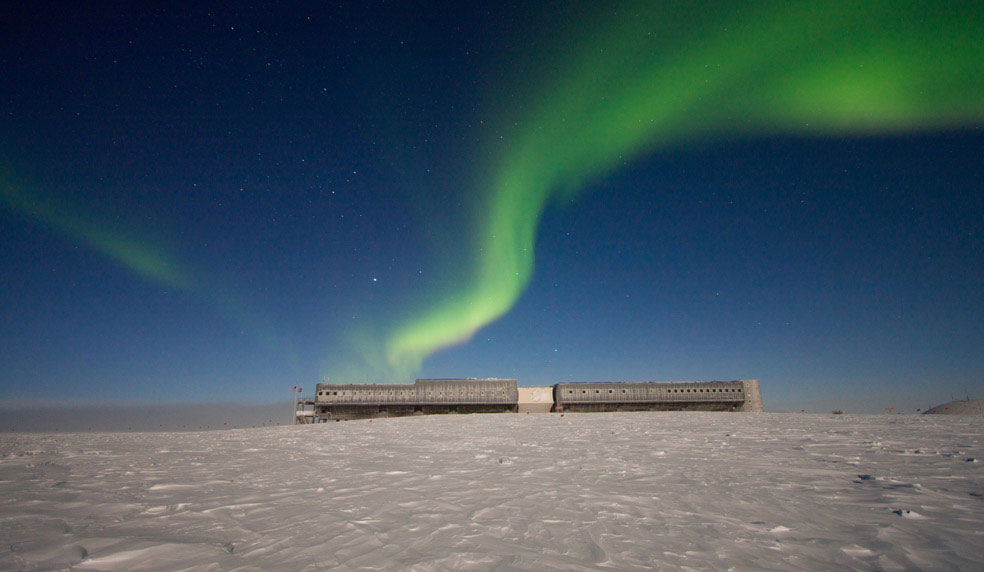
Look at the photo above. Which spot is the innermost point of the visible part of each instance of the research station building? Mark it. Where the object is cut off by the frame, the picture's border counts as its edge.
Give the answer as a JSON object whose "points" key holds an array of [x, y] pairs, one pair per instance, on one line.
{"points": [[494, 395]]}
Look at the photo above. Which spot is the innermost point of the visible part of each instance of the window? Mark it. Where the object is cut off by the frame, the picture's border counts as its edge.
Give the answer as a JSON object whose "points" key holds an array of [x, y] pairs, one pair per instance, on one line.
{"points": [[610, 391], [623, 391]]}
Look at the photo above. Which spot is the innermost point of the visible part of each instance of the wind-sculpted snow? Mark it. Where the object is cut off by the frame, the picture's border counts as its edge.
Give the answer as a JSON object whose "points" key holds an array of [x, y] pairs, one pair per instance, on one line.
{"points": [[625, 491]]}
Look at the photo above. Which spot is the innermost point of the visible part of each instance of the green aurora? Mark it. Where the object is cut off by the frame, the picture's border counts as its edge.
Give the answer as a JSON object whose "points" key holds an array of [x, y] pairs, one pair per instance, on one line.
{"points": [[153, 263], [646, 76], [661, 75], [150, 260]]}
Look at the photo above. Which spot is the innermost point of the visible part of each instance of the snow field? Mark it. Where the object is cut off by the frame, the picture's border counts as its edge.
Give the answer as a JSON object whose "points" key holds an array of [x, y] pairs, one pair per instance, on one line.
{"points": [[625, 491]]}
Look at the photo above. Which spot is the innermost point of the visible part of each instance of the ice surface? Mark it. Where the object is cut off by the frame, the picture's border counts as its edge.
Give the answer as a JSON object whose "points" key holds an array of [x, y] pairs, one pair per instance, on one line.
{"points": [[621, 491]]}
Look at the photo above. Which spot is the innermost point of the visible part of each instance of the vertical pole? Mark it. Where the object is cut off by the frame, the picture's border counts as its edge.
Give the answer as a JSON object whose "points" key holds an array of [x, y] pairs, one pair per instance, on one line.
{"points": [[293, 412]]}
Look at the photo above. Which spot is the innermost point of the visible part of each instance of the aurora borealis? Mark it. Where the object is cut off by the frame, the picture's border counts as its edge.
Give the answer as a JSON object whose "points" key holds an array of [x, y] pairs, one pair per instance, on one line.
{"points": [[229, 199], [146, 258], [120, 246], [650, 78]]}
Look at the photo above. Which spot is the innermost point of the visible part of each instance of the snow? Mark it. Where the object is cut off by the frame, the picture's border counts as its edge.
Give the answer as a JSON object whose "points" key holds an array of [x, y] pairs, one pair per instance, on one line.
{"points": [[620, 491]]}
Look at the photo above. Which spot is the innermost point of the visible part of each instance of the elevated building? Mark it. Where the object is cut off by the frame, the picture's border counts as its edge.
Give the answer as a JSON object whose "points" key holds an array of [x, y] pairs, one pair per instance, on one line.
{"points": [[740, 395], [423, 397], [493, 395]]}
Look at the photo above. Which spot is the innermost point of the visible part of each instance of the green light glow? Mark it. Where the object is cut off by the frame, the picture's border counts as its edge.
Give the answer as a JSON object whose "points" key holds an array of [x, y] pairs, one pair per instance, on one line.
{"points": [[660, 75], [153, 264]]}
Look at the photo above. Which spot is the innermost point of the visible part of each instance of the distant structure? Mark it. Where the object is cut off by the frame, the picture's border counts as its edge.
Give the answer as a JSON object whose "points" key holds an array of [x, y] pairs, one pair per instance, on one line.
{"points": [[962, 407], [423, 397], [493, 395], [743, 395]]}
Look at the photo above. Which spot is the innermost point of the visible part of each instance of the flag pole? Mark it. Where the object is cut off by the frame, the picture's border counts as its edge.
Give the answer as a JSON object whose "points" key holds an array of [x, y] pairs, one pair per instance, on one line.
{"points": [[293, 411]]}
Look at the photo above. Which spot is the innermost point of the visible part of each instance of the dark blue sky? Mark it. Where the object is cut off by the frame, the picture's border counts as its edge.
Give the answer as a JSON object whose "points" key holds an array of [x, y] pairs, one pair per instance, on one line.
{"points": [[308, 177]]}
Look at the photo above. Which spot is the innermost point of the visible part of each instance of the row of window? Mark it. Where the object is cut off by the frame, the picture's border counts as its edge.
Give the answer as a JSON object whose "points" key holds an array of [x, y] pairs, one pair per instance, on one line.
{"points": [[712, 390], [461, 393]]}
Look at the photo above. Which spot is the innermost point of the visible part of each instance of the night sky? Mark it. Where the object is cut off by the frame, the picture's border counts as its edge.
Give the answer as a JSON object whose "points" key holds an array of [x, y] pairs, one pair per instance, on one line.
{"points": [[215, 202]]}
